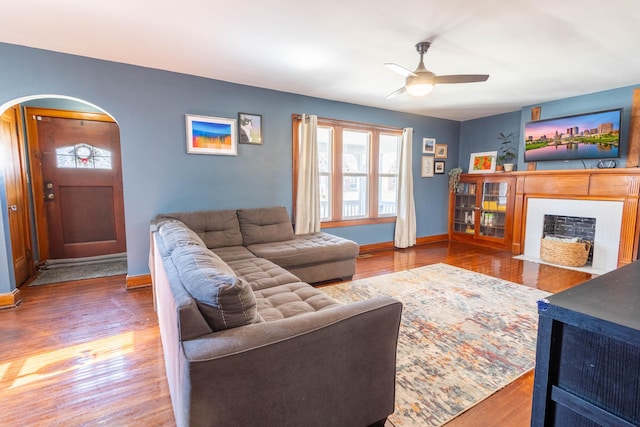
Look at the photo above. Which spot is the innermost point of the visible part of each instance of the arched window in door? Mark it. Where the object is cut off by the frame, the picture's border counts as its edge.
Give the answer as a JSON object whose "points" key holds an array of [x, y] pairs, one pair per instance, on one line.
{"points": [[83, 156]]}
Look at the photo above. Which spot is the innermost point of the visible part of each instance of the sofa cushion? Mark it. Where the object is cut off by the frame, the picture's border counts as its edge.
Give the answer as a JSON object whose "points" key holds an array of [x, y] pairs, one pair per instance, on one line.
{"points": [[262, 273], [233, 253], [265, 225], [217, 228], [293, 299], [307, 249], [225, 300], [175, 234]]}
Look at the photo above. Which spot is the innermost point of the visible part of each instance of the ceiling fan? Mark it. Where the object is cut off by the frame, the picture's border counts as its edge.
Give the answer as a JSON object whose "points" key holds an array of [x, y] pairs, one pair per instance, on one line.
{"points": [[421, 81]]}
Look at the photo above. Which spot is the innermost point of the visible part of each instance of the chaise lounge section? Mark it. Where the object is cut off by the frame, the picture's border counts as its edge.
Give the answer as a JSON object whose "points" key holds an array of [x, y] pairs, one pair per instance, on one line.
{"points": [[268, 233], [247, 342]]}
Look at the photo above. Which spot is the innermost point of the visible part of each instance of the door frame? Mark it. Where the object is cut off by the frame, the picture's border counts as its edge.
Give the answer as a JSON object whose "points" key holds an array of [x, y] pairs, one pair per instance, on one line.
{"points": [[35, 160], [24, 211]]}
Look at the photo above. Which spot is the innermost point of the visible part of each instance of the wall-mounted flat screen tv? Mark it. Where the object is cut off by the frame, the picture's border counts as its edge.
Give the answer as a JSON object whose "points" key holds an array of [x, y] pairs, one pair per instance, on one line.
{"points": [[580, 137]]}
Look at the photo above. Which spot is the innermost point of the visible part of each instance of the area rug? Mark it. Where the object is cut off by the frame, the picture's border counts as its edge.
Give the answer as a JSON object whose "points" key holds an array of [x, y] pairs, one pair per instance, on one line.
{"points": [[80, 272], [463, 336]]}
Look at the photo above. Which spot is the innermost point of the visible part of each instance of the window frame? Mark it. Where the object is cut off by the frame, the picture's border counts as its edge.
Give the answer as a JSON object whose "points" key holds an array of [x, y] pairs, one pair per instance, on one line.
{"points": [[336, 176]]}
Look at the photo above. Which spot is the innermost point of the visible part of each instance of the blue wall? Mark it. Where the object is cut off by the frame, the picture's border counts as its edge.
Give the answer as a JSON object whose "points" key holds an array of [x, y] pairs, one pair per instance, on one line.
{"points": [[605, 100], [149, 106], [482, 134]]}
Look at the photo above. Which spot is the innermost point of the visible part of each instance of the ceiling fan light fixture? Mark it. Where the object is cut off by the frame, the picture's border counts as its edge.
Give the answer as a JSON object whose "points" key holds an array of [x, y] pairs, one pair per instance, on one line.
{"points": [[421, 83], [419, 89]]}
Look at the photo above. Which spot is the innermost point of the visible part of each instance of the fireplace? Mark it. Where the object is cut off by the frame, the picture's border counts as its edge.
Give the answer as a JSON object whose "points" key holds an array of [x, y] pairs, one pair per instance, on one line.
{"points": [[571, 226], [576, 218]]}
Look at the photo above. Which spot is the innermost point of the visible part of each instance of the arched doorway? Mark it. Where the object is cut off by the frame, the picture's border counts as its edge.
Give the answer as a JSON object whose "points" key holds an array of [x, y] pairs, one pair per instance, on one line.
{"points": [[69, 154]]}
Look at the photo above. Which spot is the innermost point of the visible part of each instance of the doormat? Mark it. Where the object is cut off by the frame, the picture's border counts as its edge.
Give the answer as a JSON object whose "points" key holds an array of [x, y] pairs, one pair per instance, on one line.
{"points": [[80, 272], [463, 336], [75, 262]]}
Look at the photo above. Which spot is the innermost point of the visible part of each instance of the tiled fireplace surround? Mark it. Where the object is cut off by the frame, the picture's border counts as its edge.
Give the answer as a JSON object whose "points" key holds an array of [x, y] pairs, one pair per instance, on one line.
{"points": [[608, 216], [610, 196]]}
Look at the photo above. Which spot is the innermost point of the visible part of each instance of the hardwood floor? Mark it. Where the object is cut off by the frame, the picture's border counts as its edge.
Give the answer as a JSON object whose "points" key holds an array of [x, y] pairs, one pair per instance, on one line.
{"points": [[88, 352]]}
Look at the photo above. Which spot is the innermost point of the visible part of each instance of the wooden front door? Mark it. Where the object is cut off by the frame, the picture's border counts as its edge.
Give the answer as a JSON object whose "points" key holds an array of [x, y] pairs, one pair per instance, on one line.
{"points": [[13, 164], [82, 185]]}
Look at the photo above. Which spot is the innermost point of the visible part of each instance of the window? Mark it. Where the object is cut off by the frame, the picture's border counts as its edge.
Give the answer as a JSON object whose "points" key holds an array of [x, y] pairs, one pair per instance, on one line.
{"points": [[83, 156], [358, 165]]}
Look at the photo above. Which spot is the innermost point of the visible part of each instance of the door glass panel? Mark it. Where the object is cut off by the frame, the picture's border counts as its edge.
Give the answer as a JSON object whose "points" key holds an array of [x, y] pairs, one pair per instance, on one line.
{"points": [[465, 212], [493, 209], [83, 156]]}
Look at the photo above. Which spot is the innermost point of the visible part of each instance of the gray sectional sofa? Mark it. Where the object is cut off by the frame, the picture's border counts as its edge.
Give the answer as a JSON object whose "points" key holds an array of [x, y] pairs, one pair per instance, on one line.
{"points": [[248, 342]]}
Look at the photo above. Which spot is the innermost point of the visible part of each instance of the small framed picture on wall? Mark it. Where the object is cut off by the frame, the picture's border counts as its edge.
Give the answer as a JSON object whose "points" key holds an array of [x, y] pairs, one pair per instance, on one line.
{"points": [[441, 151], [484, 162], [428, 145], [427, 166], [250, 128], [439, 167]]}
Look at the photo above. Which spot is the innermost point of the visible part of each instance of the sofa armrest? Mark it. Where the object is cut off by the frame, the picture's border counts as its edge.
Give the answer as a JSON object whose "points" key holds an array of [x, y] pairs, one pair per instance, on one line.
{"points": [[331, 367]]}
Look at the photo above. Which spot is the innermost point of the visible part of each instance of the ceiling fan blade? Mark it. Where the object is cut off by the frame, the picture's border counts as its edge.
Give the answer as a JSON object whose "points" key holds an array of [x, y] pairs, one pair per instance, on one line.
{"points": [[396, 93], [399, 69], [462, 78]]}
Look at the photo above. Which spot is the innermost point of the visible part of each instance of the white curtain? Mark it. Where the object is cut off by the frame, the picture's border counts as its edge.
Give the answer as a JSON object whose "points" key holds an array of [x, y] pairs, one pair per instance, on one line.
{"points": [[308, 194], [405, 234]]}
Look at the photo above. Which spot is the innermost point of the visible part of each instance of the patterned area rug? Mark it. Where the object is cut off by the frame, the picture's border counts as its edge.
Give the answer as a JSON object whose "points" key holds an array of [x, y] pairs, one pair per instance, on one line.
{"points": [[463, 336]]}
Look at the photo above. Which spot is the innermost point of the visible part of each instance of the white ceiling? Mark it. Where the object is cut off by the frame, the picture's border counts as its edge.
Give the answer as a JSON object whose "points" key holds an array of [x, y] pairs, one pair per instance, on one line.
{"points": [[534, 50]]}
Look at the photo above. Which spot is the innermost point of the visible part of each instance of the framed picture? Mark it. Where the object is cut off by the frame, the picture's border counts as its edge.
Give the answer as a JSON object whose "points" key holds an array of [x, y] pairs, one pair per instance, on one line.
{"points": [[428, 145], [484, 162], [427, 166], [250, 128], [439, 167], [441, 151], [211, 135]]}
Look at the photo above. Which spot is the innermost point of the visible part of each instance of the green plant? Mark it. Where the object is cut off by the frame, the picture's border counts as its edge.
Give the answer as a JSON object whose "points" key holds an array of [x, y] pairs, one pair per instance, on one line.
{"points": [[506, 153], [454, 178]]}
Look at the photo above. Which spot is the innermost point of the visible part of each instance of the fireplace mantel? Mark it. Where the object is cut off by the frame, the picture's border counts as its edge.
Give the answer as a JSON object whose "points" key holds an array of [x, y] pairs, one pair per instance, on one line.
{"points": [[589, 184]]}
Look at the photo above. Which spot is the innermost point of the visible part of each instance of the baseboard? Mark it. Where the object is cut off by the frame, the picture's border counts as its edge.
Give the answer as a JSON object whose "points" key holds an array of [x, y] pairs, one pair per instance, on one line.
{"points": [[140, 281], [389, 245], [432, 239], [11, 299]]}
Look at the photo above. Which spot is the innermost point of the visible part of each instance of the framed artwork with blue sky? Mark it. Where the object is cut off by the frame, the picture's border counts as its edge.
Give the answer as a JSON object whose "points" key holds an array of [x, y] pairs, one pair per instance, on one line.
{"points": [[211, 135]]}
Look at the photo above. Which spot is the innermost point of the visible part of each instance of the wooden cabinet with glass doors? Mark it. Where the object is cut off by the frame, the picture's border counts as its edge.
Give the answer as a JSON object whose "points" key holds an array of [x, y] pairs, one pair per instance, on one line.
{"points": [[481, 210]]}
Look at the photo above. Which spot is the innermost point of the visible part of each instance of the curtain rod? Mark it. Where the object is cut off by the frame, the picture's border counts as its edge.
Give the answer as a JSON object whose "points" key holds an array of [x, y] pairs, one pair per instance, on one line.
{"points": [[355, 124]]}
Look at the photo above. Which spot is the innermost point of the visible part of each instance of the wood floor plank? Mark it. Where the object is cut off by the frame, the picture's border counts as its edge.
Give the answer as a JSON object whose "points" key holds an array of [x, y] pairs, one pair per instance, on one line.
{"points": [[89, 352]]}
